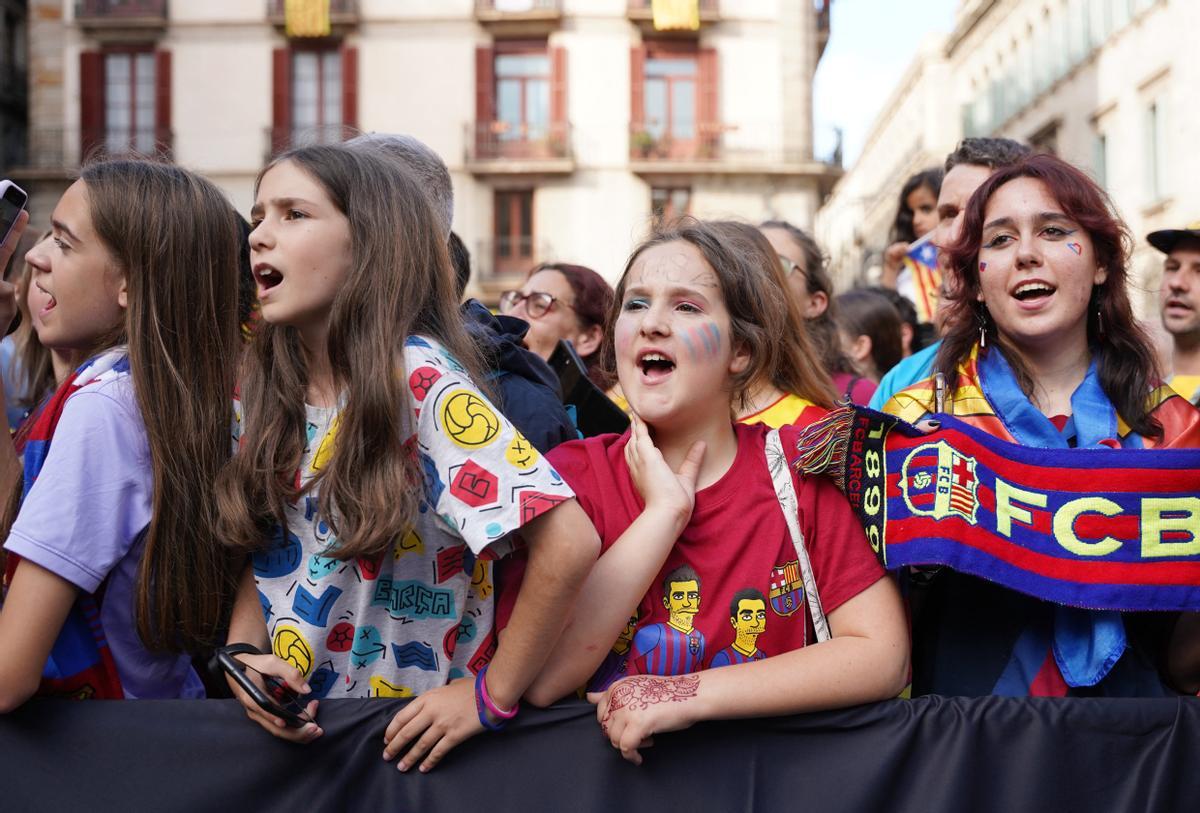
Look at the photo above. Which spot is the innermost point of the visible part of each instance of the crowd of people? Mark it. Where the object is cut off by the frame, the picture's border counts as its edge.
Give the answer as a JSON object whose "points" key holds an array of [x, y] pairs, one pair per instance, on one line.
{"points": [[397, 501]]}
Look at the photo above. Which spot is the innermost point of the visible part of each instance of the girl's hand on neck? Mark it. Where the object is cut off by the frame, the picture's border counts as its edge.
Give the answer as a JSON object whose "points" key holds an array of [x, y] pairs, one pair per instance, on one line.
{"points": [[661, 488]]}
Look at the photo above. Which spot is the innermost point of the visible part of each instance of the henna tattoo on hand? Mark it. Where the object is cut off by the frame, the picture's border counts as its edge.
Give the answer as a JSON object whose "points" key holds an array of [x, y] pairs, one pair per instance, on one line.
{"points": [[642, 691]]}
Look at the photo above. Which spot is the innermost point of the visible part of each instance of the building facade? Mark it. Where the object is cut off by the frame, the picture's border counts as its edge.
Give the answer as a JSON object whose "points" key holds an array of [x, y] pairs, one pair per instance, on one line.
{"points": [[1106, 84], [14, 82], [567, 125]]}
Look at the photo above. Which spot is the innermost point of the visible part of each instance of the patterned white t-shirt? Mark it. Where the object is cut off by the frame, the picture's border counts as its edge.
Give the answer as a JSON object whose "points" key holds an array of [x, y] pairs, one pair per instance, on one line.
{"points": [[422, 614]]}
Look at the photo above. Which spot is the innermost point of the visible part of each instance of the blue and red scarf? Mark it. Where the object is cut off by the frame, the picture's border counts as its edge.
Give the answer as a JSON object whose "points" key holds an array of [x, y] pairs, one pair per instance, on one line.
{"points": [[80, 664], [1083, 516]]}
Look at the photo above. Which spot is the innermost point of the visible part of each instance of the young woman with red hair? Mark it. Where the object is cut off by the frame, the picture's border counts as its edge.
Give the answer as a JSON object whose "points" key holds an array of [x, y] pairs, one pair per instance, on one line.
{"points": [[1042, 349]]}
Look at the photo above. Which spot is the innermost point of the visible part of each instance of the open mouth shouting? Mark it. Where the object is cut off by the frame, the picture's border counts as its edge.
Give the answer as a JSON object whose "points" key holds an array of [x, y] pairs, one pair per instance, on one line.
{"points": [[267, 277], [1033, 294], [50, 300], [655, 365]]}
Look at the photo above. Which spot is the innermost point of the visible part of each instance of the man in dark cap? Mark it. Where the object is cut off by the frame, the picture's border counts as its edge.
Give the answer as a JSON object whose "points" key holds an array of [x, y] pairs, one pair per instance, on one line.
{"points": [[1179, 304]]}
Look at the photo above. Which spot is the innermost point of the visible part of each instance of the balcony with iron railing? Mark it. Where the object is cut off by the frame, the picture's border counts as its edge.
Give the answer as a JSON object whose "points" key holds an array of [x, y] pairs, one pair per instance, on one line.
{"points": [[341, 12], [282, 139], [500, 263], [121, 13], [513, 17], [503, 148], [642, 13], [58, 151], [717, 149]]}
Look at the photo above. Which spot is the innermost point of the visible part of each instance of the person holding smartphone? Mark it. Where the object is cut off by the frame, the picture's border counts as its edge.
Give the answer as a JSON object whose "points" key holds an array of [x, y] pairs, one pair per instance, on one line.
{"points": [[113, 572]]}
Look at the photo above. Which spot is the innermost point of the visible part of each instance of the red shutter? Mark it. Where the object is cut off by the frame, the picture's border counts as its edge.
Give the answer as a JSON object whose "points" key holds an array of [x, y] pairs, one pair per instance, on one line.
{"points": [[707, 107], [350, 87], [91, 101], [558, 85], [162, 102], [637, 84], [485, 97], [281, 107]]}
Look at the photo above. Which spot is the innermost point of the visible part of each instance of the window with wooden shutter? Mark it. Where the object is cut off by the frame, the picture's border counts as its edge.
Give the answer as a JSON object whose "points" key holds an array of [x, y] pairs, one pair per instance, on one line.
{"points": [[164, 141], [638, 138], [281, 96], [560, 132], [91, 101], [484, 98], [349, 87], [512, 231]]}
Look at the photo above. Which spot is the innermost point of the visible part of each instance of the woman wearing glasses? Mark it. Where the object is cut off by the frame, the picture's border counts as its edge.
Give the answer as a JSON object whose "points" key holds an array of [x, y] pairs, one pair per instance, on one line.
{"points": [[812, 289], [563, 301]]}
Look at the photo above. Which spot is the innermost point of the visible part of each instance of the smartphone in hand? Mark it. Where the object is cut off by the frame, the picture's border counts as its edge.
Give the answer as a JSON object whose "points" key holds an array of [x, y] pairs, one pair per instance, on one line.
{"points": [[12, 200], [274, 697]]}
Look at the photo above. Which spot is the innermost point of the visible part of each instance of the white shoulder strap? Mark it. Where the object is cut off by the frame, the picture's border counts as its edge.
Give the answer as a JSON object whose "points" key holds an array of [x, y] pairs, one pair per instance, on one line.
{"points": [[785, 492]]}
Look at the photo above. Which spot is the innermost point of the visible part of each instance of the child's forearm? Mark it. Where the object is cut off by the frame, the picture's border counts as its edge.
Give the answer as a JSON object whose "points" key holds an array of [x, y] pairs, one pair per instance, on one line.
{"points": [[612, 591], [246, 624], [865, 661], [562, 547]]}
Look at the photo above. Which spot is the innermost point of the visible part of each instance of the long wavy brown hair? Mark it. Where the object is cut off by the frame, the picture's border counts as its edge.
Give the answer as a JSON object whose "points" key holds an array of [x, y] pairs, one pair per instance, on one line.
{"points": [[1126, 361], [175, 238], [762, 315], [400, 283]]}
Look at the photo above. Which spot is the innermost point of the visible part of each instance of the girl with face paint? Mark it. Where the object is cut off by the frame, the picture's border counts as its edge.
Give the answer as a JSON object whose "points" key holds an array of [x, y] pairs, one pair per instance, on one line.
{"points": [[688, 516], [1042, 349]]}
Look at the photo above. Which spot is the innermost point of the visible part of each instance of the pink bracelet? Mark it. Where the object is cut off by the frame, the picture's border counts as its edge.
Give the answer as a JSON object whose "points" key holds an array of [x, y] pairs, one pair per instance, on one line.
{"points": [[487, 699]]}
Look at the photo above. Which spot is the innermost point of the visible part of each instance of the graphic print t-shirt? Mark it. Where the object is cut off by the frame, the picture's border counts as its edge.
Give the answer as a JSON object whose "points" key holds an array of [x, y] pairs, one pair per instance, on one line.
{"points": [[734, 567], [421, 614]]}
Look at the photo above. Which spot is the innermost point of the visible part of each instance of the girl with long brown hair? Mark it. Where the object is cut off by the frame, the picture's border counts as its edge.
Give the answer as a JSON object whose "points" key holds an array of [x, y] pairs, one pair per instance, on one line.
{"points": [[375, 482], [719, 565], [114, 572], [1042, 349]]}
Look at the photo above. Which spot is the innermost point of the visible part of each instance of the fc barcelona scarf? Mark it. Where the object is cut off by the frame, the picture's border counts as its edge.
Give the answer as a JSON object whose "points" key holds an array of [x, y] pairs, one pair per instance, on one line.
{"points": [[1096, 528], [80, 664]]}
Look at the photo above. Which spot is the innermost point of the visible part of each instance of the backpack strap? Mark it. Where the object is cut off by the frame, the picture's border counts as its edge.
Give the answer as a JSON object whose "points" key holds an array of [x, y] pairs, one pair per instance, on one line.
{"points": [[785, 492]]}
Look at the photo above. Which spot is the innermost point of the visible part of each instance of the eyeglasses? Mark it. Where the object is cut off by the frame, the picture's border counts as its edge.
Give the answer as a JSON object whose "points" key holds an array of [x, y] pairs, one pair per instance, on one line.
{"points": [[790, 266], [537, 303]]}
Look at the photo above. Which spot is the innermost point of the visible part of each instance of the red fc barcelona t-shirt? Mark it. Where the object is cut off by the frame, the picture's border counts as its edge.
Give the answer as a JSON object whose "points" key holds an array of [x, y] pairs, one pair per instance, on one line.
{"points": [[731, 590]]}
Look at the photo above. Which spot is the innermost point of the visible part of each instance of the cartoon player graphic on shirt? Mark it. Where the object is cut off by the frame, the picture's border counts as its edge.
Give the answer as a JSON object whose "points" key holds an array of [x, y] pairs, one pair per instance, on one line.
{"points": [[676, 647], [614, 665], [748, 616]]}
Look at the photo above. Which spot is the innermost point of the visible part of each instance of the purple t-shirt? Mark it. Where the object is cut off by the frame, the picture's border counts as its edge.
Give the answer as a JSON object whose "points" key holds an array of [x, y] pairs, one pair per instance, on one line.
{"points": [[82, 520]]}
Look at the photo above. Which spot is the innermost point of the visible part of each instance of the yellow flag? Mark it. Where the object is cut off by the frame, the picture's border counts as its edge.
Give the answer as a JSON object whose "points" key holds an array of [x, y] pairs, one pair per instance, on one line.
{"points": [[676, 15], [306, 18]]}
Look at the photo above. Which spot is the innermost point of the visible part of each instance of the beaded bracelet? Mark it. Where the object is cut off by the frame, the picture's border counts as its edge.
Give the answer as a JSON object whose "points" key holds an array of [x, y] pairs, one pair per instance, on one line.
{"points": [[484, 704]]}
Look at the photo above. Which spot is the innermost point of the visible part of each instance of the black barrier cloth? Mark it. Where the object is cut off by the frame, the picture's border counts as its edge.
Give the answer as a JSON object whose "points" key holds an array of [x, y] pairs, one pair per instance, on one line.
{"points": [[931, 754]]}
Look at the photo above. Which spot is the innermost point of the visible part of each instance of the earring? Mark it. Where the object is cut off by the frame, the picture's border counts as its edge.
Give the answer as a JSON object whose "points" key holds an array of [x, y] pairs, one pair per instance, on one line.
{"points": [[1099, 321], [983, 328]]}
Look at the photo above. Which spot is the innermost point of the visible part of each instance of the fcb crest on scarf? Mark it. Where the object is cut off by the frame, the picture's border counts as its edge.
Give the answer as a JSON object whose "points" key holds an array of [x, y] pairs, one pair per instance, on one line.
{"points": [[787, 588], [937, 481]]}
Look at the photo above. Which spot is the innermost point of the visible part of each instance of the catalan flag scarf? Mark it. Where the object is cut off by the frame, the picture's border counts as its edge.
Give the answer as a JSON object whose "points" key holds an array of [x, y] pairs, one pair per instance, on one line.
{"points": [[1098, 529], [80, 664]]}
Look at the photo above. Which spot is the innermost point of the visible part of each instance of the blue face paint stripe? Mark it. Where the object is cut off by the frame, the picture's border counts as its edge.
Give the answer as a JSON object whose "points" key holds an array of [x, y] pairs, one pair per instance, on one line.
{"points": [[704, 337], [716, 335], [687, 342]]}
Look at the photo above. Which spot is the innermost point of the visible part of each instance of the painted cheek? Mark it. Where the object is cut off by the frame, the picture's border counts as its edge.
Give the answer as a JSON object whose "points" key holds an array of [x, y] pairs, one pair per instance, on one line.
{"points": [[623, 334], [982, 267], [1076, 248], [706, 337]]}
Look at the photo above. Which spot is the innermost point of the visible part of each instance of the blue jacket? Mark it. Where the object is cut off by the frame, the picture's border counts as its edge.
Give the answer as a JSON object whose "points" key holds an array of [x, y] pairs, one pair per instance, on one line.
{"points": [[527, 388]]}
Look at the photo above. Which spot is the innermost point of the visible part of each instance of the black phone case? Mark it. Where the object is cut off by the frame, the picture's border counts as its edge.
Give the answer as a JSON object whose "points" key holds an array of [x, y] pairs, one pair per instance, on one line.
{"points": [[237, 671]]}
